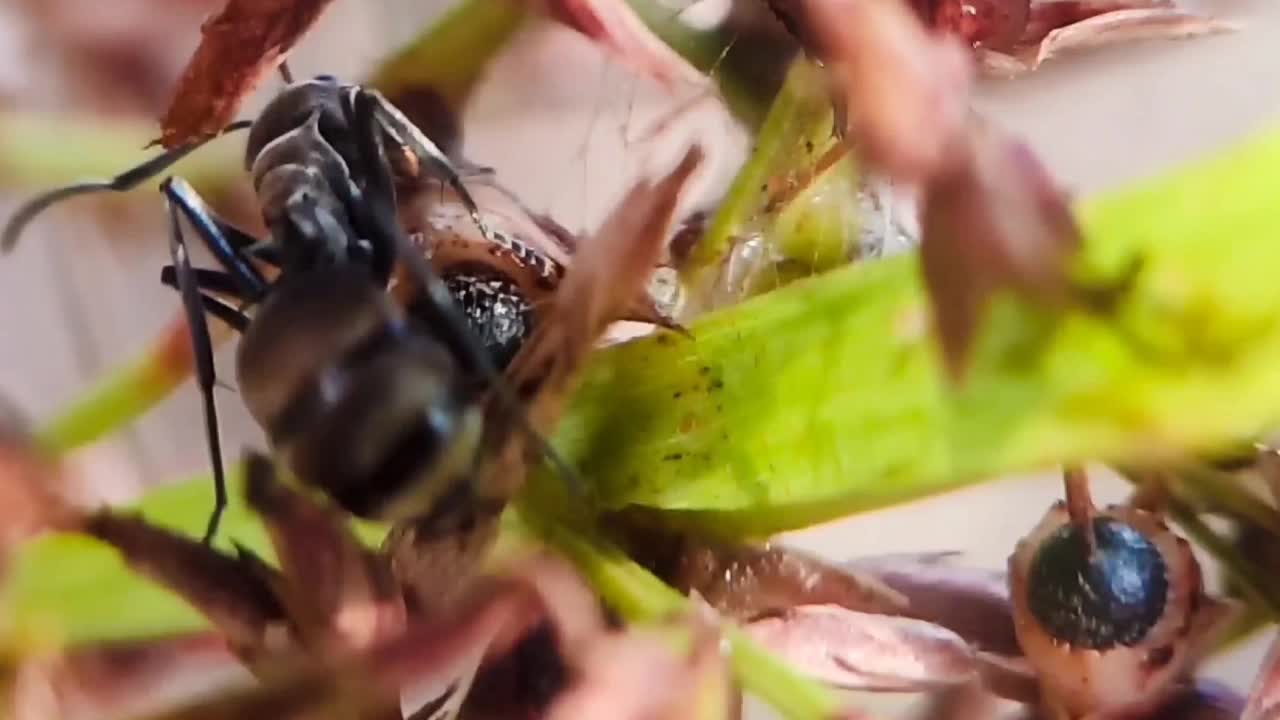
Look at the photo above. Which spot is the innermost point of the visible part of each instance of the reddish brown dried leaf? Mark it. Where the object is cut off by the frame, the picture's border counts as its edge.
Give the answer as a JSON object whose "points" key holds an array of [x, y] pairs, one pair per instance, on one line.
{"points": [[231, 594], [239, 47], [609, 271], [984, 23], [437, 568], [32, 486], [864, 651], [745, 581], [635, 675], [547, 595], [992, 220], [907, 90], [338, 596]]}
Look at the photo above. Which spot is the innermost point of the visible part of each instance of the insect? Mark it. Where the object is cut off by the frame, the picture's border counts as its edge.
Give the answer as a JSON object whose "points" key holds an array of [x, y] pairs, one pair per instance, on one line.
{"points": [[503, 275], [346, 387], [1109, 606]]}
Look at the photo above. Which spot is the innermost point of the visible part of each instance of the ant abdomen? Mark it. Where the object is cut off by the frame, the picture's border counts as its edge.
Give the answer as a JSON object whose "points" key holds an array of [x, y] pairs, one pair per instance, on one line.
{"points": [[353, 399], [399, 435]]}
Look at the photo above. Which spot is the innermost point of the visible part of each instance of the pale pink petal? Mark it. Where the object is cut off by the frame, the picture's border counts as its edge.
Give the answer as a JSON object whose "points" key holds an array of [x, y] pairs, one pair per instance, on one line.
{"points": [[866, 652], [1125, 26]]}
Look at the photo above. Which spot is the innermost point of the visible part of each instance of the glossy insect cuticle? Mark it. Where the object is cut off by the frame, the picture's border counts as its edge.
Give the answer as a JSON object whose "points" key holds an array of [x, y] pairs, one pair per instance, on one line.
{"points": [[1096, 600]]}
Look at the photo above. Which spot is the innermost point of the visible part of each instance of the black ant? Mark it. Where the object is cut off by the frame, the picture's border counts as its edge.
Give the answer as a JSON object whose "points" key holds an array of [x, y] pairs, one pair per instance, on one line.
{"points": [[354, 398]]}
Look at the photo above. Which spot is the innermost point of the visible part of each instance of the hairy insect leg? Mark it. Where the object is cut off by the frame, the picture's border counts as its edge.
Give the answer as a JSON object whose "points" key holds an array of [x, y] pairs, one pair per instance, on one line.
{"points": [[202, 347], [123, 182], [424, 150], [380, 204], [227, 243]]}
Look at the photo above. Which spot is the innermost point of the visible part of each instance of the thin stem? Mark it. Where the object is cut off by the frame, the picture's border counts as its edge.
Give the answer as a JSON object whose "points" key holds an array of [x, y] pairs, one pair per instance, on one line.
{"points": [[1080, 503]]}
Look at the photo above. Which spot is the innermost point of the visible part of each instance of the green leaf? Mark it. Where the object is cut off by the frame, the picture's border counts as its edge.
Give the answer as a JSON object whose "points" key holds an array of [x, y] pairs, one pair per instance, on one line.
{"points": [[451, 56], [39, 150], [825, 398], [73, 589], [806, 221]]}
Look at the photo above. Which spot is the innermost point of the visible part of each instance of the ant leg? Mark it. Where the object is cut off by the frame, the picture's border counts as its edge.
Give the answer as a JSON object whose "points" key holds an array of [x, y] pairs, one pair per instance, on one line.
{"points": [[268, 252], [202, 348], [215, 282], [379, 208], [123, 182], [227, 243], [429, 155], [380, 205]]}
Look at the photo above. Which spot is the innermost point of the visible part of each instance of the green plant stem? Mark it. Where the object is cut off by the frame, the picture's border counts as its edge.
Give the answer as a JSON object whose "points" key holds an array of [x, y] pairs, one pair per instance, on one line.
{"points": [[451, 56], [796, 130], [747, 70], [826, 397], [39, 150], [640, 597]]}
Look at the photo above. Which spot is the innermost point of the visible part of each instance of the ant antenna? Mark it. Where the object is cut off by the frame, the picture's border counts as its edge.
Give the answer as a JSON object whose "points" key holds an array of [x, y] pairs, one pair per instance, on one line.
{"points": [[285, 73]]}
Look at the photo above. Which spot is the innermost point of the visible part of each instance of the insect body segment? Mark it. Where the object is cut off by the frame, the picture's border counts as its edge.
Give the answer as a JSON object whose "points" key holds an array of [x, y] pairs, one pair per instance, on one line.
{"points": [[1110, 607], [504, 279], [350, 394], [357, 402]]}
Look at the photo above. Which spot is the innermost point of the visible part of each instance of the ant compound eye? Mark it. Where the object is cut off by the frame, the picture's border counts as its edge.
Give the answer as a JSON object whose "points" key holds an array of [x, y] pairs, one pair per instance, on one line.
{"points": [[1098, 597]]}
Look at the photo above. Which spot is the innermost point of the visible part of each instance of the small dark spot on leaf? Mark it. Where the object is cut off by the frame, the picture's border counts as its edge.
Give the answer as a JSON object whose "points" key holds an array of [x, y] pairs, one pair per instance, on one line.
{"points": [[672, 457], [676, 395], [704, 370], [716, 384]]}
